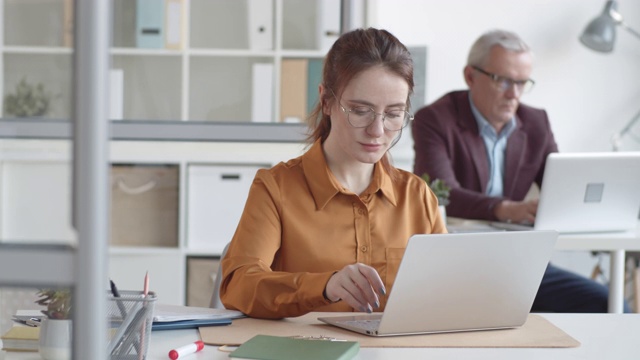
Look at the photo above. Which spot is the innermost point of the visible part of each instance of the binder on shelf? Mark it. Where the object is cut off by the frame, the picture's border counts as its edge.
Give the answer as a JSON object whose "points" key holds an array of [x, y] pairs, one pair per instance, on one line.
{"points": [[262, 92], [67, 24], [293, 90], [328, 25], [174, 24], [260, 20], [314, 78], [150, 24], [116, 94]]}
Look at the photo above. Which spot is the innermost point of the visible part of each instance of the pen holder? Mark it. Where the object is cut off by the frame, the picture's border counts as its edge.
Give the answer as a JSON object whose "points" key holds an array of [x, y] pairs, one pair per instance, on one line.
{"points": [[130, 319]]}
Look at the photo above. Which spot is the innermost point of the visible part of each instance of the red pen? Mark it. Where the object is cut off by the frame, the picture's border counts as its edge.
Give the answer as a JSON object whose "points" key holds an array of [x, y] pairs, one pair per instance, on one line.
{"points": [[186, 350]]}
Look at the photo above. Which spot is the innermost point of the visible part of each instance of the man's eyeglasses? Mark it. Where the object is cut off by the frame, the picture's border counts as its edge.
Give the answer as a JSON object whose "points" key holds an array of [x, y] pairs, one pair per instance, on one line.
{"points": [[363, 116], [504, 83]]}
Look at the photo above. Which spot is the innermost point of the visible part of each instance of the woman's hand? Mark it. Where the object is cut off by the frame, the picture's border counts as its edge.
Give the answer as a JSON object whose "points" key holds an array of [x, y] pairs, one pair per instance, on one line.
{"points": [[357, 284]]}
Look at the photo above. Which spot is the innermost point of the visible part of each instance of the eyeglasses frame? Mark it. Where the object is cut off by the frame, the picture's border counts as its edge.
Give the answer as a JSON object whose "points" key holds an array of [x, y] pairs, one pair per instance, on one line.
{"points": [[497, 79], [375, 115]]}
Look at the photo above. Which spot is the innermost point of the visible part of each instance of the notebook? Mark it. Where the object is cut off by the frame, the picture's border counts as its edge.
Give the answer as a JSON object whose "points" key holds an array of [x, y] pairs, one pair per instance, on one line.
{"points": [[460, 282], [588, 193], [267, 347]]}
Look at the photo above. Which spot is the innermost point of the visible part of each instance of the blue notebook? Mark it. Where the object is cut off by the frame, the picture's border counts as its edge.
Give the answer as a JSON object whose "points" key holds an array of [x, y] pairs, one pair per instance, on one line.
{"points": [[188, 324]]}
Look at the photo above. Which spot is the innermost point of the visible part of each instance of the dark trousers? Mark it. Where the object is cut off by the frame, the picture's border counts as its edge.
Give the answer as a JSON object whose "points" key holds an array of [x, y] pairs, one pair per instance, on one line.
{"points": [[565, 292]]}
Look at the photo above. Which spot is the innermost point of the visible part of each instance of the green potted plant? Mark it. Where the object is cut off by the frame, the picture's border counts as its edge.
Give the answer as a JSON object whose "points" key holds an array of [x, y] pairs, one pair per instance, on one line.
{"points": [[57, 301], [55, 331], [439, 188], [442, 192], [28, 100]]}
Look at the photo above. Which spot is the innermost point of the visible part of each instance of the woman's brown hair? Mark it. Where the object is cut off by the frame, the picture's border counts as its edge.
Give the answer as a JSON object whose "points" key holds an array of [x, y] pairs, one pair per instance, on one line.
{"points": [[352, 53]]}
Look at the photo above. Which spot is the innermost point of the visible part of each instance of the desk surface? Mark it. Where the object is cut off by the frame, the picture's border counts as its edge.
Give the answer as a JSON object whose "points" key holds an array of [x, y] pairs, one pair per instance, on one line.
{"points": [[603, 336], [576, 241]]}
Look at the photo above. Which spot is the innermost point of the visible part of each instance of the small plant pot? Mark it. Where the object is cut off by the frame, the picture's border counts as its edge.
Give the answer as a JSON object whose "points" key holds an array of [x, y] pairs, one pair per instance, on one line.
{"points": [[55, 339], [443, 213]]}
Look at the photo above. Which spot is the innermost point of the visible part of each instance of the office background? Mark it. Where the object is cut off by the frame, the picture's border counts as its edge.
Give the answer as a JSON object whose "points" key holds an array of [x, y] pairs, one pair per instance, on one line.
{"points": [[588, 96]]}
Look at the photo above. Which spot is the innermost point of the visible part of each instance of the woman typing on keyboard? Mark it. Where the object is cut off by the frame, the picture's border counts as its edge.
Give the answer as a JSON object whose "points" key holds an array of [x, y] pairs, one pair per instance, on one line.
{"points": [[326, 231]]}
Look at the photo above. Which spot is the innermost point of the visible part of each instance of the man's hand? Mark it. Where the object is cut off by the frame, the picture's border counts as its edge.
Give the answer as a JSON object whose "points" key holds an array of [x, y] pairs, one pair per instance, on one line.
{"points": [[523, 212], [357, 284]]}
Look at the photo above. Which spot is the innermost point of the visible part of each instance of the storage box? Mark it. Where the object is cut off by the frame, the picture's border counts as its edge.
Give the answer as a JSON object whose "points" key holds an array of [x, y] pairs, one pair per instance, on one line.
{"points": [[216, 198], [144, 205], [201, 276]]}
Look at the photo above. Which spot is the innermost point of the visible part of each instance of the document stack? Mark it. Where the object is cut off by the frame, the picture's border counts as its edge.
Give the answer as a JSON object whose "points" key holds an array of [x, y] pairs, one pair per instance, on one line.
{"points": [[21, 338]]}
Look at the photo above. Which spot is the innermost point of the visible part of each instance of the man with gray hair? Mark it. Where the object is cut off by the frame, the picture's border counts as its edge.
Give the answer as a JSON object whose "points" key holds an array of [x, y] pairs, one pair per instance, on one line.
{"points": [[490, 149]]}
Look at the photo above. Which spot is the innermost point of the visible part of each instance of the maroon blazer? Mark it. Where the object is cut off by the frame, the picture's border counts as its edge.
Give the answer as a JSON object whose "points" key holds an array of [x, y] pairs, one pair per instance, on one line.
{"points": [[448, 146]]}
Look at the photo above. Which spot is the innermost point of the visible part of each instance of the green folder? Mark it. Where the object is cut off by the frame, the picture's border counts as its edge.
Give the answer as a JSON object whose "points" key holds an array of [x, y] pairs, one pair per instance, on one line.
{"points": [[266, 347]]}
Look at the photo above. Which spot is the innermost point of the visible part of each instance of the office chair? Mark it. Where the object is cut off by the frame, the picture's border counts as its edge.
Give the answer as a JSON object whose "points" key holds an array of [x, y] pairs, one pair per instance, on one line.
{"points": [[216, 303]]}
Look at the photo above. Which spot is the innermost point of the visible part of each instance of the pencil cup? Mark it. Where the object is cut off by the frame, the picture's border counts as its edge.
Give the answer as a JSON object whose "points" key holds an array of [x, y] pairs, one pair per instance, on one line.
{"points": [[130, 319]]}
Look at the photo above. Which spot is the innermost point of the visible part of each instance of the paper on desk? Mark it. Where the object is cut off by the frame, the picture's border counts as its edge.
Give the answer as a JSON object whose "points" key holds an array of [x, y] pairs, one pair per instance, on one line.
{"points": [[167, 313], [28, 314]]}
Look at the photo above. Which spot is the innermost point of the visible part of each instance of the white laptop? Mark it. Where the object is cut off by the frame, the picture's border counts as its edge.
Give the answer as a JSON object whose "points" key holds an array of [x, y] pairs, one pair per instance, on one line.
{"points": [[460, 282], [588, 192]]}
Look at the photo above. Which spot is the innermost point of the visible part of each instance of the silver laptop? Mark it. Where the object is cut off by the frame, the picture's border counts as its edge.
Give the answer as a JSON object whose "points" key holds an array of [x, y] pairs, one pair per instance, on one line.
{"points": [[588, 192], [460, 282]]}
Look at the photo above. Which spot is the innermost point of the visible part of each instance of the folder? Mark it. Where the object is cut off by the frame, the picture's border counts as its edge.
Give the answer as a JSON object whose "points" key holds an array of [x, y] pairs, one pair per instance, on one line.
{"points": [[328, 25], [172, 313], [262, 92], [314, 78], [188, 324], [260, 20], [116, 97], [150, 24], [67, 24], [174, 24], [293, 90]]}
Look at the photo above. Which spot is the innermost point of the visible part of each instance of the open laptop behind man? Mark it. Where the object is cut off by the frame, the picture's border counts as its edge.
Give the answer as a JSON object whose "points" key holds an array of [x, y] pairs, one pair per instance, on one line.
{"points": [[588, 192], [460, 282]]}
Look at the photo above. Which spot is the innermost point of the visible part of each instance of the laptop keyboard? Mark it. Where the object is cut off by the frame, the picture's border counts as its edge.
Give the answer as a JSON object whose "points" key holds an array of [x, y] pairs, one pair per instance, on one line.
{"points": [[370, 325]]}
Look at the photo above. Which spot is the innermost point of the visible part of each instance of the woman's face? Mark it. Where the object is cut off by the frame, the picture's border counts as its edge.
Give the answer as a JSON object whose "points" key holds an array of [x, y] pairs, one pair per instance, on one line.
{"points": [[376, 88]]}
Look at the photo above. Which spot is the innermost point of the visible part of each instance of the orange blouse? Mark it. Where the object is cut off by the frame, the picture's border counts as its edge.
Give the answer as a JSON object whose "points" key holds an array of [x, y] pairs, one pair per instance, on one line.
{"points": [[299, 226]]}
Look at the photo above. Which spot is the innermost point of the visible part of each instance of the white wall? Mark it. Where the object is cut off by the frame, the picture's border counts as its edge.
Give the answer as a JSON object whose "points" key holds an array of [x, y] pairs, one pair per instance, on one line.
{"points": [[588, 95]]}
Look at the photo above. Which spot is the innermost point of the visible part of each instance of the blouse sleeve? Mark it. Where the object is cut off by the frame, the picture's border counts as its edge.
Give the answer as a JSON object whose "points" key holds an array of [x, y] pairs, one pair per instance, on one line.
{"points": [[249, 284]]}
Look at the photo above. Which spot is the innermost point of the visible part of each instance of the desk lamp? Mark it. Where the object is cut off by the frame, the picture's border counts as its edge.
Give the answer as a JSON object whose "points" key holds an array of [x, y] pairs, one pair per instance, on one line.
{"points": [[600, 35]]}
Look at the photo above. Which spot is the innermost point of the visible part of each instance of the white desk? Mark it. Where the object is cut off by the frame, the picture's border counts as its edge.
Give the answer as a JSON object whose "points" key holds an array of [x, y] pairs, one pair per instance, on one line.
{"points": [[602, 336], [614, 243]]}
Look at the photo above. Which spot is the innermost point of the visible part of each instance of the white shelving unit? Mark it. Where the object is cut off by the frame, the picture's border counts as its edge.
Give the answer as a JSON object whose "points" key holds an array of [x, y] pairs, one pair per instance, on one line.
{"points": [[189, 107], [207, 78], [228, 152]]}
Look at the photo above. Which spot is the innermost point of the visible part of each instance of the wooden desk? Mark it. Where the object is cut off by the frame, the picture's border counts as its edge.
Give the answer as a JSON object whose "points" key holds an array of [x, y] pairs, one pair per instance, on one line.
{"points": [[614, 243], [602, 336]]}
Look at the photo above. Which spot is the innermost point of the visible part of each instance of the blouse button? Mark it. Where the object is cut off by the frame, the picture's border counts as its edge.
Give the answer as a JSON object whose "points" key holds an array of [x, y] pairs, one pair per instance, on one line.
{"points": [[361, 211], [363, 248]]}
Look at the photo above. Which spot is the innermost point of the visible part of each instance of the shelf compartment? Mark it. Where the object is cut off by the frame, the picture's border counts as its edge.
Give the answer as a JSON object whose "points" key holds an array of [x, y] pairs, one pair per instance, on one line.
{"points": [[50, 70], [220, 89], [157, 80]]}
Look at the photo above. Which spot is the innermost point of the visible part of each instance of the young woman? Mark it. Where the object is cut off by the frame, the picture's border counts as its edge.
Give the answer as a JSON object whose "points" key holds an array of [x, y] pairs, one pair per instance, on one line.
{"points": [[326, 231]]}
